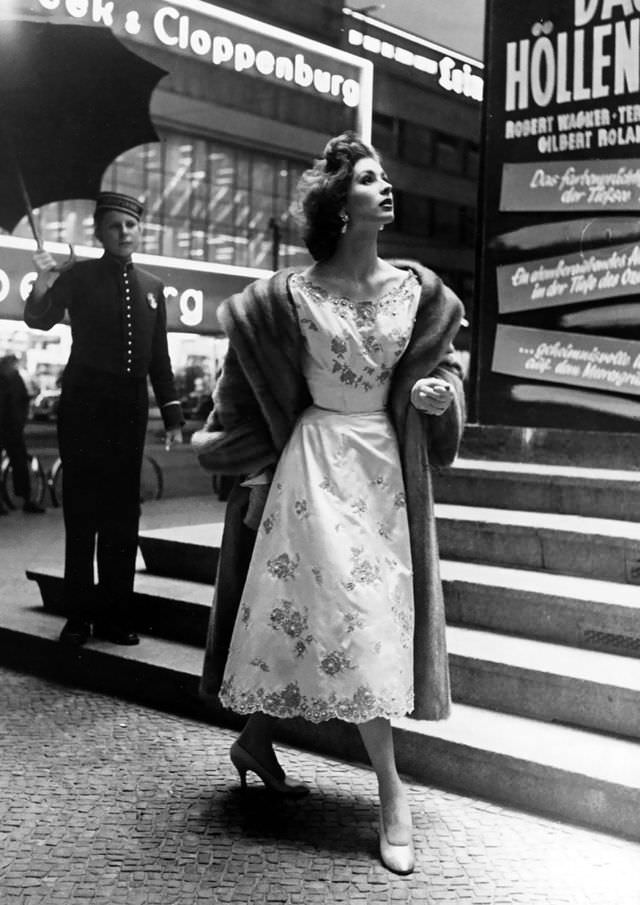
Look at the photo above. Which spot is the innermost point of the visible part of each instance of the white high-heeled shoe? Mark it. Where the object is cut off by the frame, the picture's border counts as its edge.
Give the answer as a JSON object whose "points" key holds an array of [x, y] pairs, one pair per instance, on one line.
{"points": [[400, 859]]}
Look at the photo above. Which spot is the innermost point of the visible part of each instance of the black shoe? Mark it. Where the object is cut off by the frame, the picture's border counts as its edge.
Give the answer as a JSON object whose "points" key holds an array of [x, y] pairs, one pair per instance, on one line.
{"points": [[116, 633], [30, 506], [75, 632], [3, 509]]}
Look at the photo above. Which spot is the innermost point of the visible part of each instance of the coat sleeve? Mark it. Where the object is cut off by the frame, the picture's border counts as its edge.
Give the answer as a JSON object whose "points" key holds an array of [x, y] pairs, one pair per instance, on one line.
{"points": [[45, 312], [431, 353], [445, 431], [160, 370], [235, 439]]}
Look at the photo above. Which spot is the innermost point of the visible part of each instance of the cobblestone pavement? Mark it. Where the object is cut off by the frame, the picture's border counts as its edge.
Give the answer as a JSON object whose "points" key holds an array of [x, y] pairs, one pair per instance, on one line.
{"points": [[104, 802]]}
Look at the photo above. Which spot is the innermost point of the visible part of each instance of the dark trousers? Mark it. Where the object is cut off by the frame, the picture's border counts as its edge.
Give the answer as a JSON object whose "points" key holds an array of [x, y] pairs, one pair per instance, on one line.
{"points": [[102, 423], [12, 439]]}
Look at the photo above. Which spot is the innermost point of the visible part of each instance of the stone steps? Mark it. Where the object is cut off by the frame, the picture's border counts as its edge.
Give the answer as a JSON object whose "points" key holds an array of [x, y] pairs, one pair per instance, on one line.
{"points": [[524, 676], [554, 446], [168, 608], [194, 558], [605, 549], [543, 638], [561, 609], [549, 682], [594, 492], [582, 612], [568, 773]]}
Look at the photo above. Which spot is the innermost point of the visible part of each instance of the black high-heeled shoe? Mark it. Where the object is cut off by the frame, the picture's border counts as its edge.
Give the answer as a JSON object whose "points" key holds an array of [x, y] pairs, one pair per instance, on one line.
{"points": [[243, 761]]}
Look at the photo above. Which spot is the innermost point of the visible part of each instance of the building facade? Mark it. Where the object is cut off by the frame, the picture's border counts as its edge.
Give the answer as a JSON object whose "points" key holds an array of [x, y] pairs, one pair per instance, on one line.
{"points": [[427, 103], [251, 95]]}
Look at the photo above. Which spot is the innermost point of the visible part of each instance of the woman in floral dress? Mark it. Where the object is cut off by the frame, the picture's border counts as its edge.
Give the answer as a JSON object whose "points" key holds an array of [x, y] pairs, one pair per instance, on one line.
{"points": [[325, 624]]}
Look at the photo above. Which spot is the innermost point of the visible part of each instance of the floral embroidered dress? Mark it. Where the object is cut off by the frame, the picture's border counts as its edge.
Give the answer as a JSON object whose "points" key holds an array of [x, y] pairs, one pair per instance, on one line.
{"points": [[325, 625]]}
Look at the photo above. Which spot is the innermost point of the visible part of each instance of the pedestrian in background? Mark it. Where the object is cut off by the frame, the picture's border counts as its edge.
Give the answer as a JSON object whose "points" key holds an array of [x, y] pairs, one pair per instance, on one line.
{"points": [[339, 390], [14, 410], [119, 339]]}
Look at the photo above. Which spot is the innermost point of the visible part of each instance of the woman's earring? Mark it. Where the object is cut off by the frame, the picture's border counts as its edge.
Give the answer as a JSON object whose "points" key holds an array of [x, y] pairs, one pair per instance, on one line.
{"points": [[344, 218]]}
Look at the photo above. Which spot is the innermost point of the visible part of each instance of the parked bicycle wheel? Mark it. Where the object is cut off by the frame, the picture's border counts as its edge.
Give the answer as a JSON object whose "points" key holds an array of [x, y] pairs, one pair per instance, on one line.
{"points": [[54, 482], [37, 479], [151, 480]]}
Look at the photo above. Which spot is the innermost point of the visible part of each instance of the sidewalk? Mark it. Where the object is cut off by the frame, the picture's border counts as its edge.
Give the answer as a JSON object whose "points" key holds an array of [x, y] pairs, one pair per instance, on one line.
{"points": [[105, 802]]}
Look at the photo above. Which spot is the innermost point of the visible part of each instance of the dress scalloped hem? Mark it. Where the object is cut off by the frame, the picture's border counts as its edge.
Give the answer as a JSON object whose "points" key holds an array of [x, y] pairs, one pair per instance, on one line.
{"points": [[363, 705]]}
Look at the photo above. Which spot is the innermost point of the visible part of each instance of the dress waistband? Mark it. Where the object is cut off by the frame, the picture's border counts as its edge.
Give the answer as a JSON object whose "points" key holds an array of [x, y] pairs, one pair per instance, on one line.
{"points": [[351, 413]]}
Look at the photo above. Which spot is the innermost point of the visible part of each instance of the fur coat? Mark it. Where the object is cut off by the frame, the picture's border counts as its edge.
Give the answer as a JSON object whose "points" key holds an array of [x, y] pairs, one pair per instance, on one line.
{"points": [[258, 399]]}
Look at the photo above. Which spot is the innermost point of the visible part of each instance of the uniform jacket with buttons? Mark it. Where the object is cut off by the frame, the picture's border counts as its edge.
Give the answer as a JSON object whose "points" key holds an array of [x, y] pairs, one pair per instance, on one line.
{"points": [[118, 323]]}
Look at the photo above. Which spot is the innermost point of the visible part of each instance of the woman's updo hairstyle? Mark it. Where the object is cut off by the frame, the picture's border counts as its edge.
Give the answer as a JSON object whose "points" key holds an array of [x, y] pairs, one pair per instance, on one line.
{"points": [[323, 190]]}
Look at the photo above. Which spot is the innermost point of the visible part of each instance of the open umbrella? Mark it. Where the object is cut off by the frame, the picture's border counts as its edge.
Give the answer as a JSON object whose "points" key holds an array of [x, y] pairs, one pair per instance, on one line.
{"points": [[72, 98]]}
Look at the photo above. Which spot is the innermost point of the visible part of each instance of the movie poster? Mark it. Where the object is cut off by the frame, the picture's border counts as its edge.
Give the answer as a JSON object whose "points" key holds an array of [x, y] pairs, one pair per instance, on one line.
{"points": [[557, 316]]}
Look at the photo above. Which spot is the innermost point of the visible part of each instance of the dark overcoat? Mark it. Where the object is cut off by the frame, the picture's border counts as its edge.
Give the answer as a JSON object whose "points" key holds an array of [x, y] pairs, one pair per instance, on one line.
{"points": [[258, 399]]}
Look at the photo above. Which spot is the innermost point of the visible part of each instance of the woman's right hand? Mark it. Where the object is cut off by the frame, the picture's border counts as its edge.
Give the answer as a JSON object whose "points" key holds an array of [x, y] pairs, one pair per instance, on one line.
{"points": [[431, 395]]}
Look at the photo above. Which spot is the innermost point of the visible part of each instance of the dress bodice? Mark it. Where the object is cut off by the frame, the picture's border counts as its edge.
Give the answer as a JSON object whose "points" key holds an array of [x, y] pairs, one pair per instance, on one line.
{"points": [[352, 347]]}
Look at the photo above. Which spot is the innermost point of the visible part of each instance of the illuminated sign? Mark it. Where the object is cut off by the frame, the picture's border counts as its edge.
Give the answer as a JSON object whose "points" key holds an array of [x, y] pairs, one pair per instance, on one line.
{"points": [[570, 185], [229, 40], [193, 290], [175, 30], [453, 72], [569, 280], [578, 64], [557, 292], [596, 363]]}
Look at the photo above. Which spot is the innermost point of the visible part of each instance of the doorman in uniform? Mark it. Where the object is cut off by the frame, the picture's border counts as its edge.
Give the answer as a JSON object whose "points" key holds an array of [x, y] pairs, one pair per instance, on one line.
{"points": [[119, 339]]}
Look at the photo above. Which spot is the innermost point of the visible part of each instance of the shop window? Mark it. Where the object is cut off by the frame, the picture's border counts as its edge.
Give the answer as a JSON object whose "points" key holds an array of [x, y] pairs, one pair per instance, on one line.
{"points": [[472, 164], [205, 201], [446, 221], [301, 109], [417, 144], [468, 226], [447, 154], [468, 288], [153, 172], [383, 134], [61, 222], [413, 214]]}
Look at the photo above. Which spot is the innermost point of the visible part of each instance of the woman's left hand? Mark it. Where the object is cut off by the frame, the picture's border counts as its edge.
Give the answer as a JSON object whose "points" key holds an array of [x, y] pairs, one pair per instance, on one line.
{"points": [[431, 395]]}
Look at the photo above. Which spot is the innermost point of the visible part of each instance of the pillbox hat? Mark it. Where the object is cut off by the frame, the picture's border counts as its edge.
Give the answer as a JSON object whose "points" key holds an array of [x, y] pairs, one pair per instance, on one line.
{"points": [[114, 201]]}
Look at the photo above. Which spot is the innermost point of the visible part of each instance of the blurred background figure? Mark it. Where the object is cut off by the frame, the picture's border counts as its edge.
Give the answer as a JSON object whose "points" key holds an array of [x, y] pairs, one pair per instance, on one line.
{"points": [[14, 409]]}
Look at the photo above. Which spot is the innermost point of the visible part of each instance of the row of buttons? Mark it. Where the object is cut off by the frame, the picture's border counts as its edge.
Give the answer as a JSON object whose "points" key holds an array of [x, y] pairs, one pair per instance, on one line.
{"points": [[127, 298]]}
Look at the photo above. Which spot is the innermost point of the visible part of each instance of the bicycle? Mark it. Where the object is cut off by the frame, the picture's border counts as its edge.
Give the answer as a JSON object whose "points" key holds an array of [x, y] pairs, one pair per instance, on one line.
{"points": [[37, 477], [151, 481]]}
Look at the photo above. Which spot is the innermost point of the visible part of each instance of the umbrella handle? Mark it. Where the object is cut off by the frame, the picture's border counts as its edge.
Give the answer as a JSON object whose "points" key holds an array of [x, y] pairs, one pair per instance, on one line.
{"points": [[68, 264], [59, 268], [28, 208]]}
